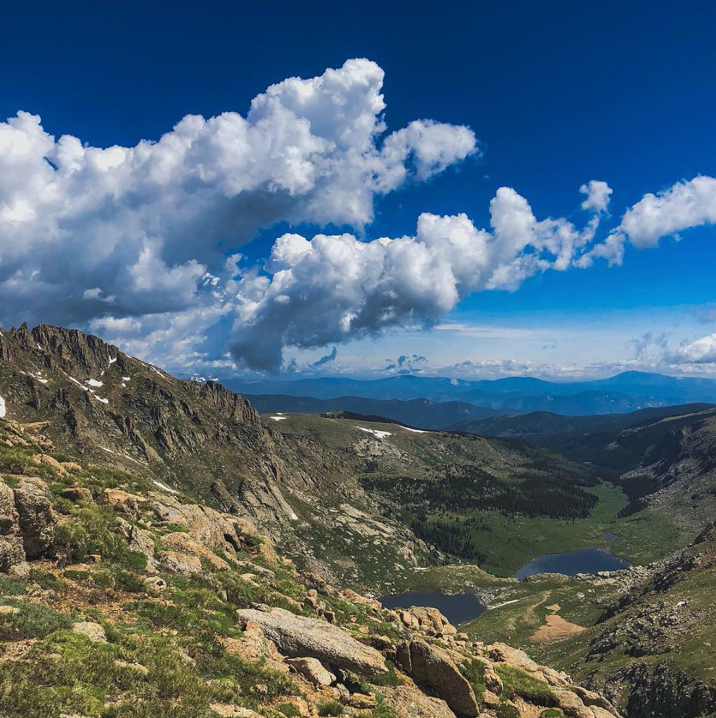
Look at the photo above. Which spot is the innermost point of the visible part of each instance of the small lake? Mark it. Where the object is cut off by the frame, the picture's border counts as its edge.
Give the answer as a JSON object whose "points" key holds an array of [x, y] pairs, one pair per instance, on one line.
{"points": [[583, 560], [457, 608]]}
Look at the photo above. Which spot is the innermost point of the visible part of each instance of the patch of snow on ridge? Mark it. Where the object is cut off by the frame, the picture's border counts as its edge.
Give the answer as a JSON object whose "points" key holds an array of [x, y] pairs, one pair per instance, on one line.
{"points": [[164, 487], [3, 409], [375, 432], [415, 431], [79, 383], [99, 398], [293, 516], [111, 361], [94, 382], [278, 418], [126, 378]]}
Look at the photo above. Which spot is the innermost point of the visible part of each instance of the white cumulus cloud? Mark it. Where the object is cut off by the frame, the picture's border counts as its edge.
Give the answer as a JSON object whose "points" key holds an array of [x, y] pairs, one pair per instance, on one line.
{"points": [[84, 229], [334, 288]]}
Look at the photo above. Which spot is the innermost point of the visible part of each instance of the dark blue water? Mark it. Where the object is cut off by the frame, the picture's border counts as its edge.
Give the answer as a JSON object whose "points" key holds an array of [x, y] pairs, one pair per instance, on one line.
{"points": [[584, 560], [457, 608]]}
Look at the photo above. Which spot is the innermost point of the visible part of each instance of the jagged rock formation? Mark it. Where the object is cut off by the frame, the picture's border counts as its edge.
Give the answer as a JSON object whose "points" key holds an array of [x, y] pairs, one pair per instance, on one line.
{"points": [[197, 436]]}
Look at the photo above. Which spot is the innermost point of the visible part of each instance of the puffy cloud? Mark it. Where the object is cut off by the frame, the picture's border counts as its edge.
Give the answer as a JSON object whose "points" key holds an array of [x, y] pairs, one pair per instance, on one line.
{"points": [[334, 288], [682, 206], [84, 230], [701, 351], [598, 195]]}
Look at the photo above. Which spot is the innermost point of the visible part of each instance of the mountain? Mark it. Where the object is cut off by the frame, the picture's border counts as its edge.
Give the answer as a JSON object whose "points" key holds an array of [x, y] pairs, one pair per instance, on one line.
{"points": [[625, 392], [167, 550], [123, 600], [419, 413], [320, 487]]}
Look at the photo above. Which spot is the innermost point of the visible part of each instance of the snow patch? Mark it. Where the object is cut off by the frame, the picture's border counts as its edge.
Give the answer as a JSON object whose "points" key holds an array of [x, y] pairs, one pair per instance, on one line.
{"points": [[375, 432], [111, 361], [293, 516], [415, 431], [124, 456], [99, 398], [278, 418], [94, 382], [126, 378], [3, 409], [79, 383], [164, 487]]}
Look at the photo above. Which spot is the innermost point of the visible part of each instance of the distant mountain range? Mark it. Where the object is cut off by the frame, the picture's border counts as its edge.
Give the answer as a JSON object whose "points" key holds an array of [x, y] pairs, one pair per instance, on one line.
{"points": [[625, 392], [418, 413]]}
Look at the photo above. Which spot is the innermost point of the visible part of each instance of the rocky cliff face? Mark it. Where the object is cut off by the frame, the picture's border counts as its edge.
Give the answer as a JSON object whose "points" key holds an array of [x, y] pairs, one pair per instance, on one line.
{"points": [[200, 438]]}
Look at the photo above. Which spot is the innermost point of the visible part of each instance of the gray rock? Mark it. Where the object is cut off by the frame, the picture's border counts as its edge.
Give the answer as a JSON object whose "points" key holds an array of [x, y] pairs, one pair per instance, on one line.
{"points": [[313, 670], [296, 636], [180, 563], [139, 540], [36, 519], [434, 668], [409, 702], [12, 552], [93, 631]]}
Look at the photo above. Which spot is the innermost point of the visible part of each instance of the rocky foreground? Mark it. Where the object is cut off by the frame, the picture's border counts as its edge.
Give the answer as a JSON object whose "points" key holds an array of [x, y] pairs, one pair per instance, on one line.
{"points": [[121, 600]]}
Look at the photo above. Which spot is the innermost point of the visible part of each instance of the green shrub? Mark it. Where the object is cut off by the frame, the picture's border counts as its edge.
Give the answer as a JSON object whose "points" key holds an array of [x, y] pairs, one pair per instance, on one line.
{"points": [[505, 710], [137, 560], [330, 708], [517, 682], [551, 713], [474, 672], [32, 621], [390, 678], [289, 710]]}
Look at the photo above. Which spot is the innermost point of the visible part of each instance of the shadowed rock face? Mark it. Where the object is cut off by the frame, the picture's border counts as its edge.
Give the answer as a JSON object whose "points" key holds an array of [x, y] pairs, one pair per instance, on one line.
{"points": [[434, 668], [296, 636], [102, 402]]}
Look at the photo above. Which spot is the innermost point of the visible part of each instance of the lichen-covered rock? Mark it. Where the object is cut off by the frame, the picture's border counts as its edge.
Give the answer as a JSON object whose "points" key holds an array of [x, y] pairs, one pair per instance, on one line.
{"points": [[184, 543], [11, 548], [313, 670], [409, 702], [180, 563], [433, 667], [138, 540], [36, 519], [76, 493], [296, 636], [91, 630], [121, 501]]}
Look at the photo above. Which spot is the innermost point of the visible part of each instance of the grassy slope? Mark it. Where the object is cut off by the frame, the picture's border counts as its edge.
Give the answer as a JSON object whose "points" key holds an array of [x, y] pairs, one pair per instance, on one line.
{"points": [[508, 541]]}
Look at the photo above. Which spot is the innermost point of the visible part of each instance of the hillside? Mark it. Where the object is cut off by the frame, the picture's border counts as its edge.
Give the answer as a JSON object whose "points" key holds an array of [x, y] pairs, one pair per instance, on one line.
{"points": [[118, 600], [323, 488], [418, 413]]}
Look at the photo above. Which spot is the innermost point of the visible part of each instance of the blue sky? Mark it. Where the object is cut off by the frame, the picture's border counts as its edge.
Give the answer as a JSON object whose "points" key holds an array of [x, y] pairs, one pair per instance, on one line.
{"points": [[554, 95]]}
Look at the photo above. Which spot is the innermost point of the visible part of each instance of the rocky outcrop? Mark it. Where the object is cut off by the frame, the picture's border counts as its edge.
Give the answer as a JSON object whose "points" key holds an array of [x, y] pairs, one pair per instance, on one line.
{"points": [[11, 548], [408, 702], [432, 667], [27, 522], [36, 518], [206, 438], [313, 670], [296, 636]]}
